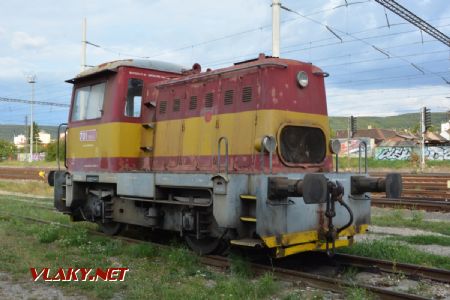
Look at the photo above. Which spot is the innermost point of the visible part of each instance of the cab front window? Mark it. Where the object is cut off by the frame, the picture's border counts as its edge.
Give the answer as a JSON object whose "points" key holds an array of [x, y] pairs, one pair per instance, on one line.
{"points": [[302, 145], [88, 102]]}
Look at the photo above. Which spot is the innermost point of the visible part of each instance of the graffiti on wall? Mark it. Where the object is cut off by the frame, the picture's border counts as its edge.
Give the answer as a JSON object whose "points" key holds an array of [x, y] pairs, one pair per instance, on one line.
{"points": [[404, 153], [437, 153], [393, 153]]}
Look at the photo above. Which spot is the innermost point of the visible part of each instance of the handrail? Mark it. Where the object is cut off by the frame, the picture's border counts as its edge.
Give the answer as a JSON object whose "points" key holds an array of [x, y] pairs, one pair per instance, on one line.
{"points": [[337, 162], [65, 144], [223, 138], [263, 150], [365, 156]]}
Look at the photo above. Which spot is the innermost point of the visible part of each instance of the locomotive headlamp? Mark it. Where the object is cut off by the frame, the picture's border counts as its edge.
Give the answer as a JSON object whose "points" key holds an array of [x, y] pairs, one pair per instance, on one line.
{"points": [[302, 79], [269, 143], [335, 146]]}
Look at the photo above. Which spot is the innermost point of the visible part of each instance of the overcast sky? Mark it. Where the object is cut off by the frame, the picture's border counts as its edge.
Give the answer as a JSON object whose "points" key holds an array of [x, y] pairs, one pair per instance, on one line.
{"points": [[44, 38]]}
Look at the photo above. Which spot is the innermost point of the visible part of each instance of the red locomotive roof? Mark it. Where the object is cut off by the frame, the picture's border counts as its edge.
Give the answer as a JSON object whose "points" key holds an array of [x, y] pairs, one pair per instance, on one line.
{"points": [[137, 63], [261, 62]]}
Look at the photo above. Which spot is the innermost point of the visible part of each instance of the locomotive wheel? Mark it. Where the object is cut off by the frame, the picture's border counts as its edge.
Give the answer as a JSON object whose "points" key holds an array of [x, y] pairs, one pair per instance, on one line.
{"points": [[111, 228], [205, 245]]}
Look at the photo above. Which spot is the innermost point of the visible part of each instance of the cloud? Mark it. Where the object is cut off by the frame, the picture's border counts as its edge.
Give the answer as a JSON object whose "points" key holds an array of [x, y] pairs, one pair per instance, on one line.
{"points": [[2, 32], [22, 40], [386, 102]]}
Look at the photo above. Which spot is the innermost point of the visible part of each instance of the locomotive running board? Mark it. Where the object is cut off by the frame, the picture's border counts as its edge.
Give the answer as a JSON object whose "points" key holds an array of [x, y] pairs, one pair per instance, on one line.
{"points": [[253, 243]]}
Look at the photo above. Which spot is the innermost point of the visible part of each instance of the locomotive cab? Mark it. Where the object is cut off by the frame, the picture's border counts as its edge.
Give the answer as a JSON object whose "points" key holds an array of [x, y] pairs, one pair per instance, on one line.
{"points": [[238, 156]]}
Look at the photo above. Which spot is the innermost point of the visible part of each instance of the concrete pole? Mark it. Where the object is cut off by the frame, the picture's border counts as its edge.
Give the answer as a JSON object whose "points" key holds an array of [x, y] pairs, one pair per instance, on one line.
{"points": [[83, 46], [32, 81], [276, 28], [423, 130], [348, 142], [423, 152]]}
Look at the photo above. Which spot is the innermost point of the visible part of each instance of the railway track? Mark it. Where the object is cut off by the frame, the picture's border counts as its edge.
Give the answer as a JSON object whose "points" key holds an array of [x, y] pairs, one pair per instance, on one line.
{"points": [[292, 274], [29, 173], [428, 192]]}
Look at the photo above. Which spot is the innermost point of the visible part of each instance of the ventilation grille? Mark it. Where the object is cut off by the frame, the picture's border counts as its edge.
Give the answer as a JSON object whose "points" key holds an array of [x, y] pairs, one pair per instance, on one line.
{"points": [[209, 100], [193, 103], [247, 94], [228, 99], [162, 107], [176, 105]]}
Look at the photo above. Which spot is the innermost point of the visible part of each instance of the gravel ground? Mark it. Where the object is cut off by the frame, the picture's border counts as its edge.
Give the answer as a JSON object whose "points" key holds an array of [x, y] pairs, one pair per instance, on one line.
{"points": [[9, 289], [379, 232]]}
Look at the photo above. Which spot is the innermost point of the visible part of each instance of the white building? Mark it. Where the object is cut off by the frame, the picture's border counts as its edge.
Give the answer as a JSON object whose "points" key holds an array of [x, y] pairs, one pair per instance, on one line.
{"points": [[44, 137], [20, 141], [445, 130]]}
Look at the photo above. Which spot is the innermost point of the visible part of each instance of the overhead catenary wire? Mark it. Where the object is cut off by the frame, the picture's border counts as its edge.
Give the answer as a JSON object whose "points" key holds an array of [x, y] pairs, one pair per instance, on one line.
{"points": [[3, 99], [385, 52]]}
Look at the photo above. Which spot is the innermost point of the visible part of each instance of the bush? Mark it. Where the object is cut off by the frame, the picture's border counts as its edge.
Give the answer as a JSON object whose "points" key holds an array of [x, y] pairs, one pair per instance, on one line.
{"points": [[50, 151], [7, 149]]}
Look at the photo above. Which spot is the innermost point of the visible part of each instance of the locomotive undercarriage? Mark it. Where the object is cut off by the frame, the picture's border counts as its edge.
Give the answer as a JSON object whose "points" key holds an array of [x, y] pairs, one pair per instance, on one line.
{"points": [[286, 213]]}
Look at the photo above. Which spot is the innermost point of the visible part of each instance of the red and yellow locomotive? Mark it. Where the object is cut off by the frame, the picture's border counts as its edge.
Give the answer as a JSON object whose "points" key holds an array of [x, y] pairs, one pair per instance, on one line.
{"points": [[239, 155]]}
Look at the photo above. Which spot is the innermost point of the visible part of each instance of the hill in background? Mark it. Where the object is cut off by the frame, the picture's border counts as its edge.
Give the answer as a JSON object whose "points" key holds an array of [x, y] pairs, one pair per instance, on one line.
{"points": [[405, 121], [7, 132]]}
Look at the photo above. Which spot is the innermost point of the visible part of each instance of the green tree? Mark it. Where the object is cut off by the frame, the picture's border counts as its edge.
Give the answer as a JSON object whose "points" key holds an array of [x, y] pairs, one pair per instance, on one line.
{"points": [[7, 149], [50, 151], [36, 130]]}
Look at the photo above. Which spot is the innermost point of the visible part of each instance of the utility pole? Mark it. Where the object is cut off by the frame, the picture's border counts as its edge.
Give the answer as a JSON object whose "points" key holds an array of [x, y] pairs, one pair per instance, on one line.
{"points": [[425, 123], [26, 128], [352, 127], [276, 5], [83, 46], [32, 81]]}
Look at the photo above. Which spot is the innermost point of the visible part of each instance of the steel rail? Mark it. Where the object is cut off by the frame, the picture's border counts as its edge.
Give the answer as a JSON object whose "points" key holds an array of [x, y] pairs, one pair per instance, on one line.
{"points": [[410, 270], [318, 281]]}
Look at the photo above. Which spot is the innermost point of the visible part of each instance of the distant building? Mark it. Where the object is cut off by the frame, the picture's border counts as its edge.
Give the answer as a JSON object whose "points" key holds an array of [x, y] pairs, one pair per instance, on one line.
{"points": [[44, 137], [376, 135], [20, 141]]}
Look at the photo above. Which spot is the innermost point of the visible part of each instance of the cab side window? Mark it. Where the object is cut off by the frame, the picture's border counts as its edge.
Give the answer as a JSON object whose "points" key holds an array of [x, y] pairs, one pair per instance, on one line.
{"points": [[134, 98]]}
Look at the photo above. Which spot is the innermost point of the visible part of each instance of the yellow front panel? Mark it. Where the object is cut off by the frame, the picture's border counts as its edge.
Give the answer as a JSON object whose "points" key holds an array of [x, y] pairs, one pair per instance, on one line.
{"points": [[188, 137], [112, 140], [200, 137]]}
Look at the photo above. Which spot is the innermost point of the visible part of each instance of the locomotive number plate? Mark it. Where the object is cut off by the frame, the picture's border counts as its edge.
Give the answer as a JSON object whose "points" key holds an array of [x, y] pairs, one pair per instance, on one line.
{"points": [[88, 135]]}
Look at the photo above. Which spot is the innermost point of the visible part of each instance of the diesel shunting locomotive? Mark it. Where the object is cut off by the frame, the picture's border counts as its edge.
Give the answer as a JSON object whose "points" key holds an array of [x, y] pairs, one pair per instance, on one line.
{"points": [[240, 156]]}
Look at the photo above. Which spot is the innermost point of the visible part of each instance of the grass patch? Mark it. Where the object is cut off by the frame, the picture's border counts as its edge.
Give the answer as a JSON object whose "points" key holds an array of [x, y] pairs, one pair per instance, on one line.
{"points": [[155, 273], [16, 163], [48, 234], [240, 266], [423, 240], [357, 293], [397, 252], [33, 187], [397, 219], [376, 165]]}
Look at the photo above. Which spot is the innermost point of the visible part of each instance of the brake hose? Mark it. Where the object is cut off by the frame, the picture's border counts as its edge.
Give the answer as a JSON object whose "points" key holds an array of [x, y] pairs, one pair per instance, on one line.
{"points": [[350, 213]]}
